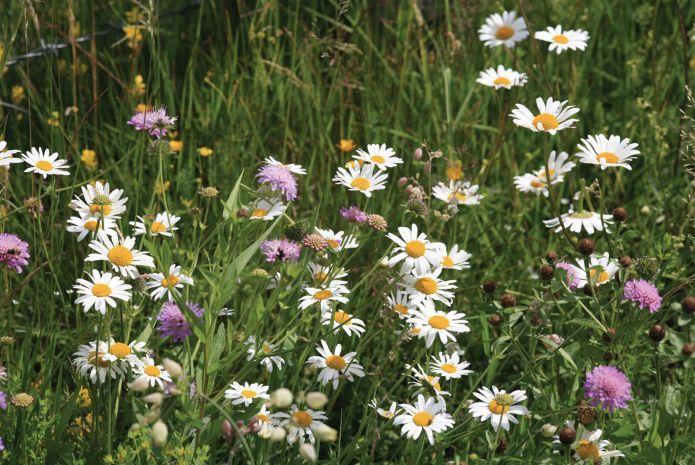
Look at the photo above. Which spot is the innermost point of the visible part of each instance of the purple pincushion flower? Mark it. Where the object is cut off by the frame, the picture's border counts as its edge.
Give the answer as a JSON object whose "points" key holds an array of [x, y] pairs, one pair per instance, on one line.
{"points": [[280, 179], [173, 323], [353, 214], [3, 400], [14, 252], [155, 122], [2, 444], [571, 274], [643, 293], [607, 387], [280, 249]]}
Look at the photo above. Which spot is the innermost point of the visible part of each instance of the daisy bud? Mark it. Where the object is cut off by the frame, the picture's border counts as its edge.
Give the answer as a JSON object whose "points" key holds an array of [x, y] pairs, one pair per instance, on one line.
{"points": [[172, 367], [281, 398], [402, 182], [159, 433], [586, 246], [495, 319], [620, 214], [688, 349], [489, 286], [377, 222], [277, 434], [508, 300], [139, 385], [315, 242], [657, 333], [325, 433], [546, 272], [316, 400], [307, 452], [625, 261], [417, 154], [551, 256], [155, 398], [688, 304], [567, 435], [548, 430]]}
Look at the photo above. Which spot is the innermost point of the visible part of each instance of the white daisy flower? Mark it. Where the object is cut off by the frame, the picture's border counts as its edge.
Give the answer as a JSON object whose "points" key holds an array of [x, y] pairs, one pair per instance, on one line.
{"points": [[389, 414], [498, 407], [457, 193], [575, 221], [505, 29], [454, 259], [334, 366], [553, 116], [537, 182], [90, 363], [6, 157], [362, 179], [344, 321], [337, 241], [327, 275], [450, 366], [100, 200], [426, 415], [168, 285], [264, 352], [296, 169], [414, 250], [427, 287], [88, 224], [501, 78], [247, 393], [152, 373], [126, 355], [101, 290], [163, 224], [590, 448], [401, 304], [120, 254], [267, 210], [380, 155], [301, 424], [602, 269], [561, 41], [323, 296], [43, 162], [607, 151], [422, 379], [437, 323]]}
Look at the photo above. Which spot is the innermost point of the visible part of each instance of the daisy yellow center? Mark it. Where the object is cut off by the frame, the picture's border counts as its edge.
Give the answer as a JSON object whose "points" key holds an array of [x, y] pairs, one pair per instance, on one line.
{"points": [[582, 215], [97, 359], [561, 39], [259, 213], [336, 362], [333, 244], [323, 294], [320, 276], [302, 419], [415, 249], [504, 33], [541, 173], [91, 225], [400, 308], [500, 404], [588, 450], [423, 419], [262, 417], [248, 393], [537, 184], [152, 370], [601, 278], [434, 383], [546, 121], [170, 281], [120, 256], [415, 331], [459, 197], [608, 157], [439, 322], [266, 349], [361, 183], [119, 349], [101, 290], [44, 165], [502, 81], [341, 317], [378, 159], [426, 285], [447, 262], [448, 368], [158, 227], [100, 208]]}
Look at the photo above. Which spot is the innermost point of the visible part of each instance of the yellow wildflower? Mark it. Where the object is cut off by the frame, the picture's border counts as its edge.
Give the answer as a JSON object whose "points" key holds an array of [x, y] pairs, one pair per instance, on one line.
{"points": [[205, 151]]}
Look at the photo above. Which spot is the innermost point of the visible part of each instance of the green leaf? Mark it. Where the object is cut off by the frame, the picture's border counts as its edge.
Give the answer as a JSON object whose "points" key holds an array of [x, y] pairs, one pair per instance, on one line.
{"points": [[232, 204]]}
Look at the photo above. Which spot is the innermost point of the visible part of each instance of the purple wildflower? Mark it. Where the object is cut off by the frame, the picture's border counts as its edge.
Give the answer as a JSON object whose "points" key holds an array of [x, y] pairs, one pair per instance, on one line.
{"points": [[3, 400], [14, 252], [608, 387], [280, 249], [643, 293], [571, 274], [280, 179], [353, 214], [155, 122], [2, 444], [173, 323]]}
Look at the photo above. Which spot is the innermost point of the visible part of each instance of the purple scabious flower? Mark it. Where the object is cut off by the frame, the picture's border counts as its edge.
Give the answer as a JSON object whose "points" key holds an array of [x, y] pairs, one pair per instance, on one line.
{"points": [[280, 249], [173, 323], [353, 214], [155, 122], [14, 252], [3, 400], [2, 444], [280, 179], [571, 273], [643, 293], [607, 387]]}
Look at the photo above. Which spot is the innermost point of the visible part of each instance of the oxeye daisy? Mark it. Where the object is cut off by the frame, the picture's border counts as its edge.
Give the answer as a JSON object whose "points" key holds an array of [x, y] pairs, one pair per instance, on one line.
{"points": [[414, 250], [120, 254], [301, 423], [323, 296], [152, 373], [362, 179], [498, 406], [267, 209], [380, 155], [454, 259], [575, 221], [247, 393], [553, 116], [279, 180], [436, 323], [6, 157], [400, 304], [326, 275], [264, 352], [101, 290], [561, 41], [90, 363], [503, 29], [296, 169], [336, 240], [88, 224], [590, 448], [449, 366], [427, 287], [169, 284], [163, 224], [537, 182], [607, 151], [425, 415], [344, 321], [334, 366], [100, 201], [43, 162], [457, 193], [602, 269], [501, 78], [389, 414], [423, 380]]}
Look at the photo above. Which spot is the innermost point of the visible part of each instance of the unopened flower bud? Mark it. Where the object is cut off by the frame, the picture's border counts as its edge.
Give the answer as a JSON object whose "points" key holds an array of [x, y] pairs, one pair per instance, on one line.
{"points": [[417, 154], [502, 445], [688, 349], [172, 367], [688, 304], [546, 272], [281, 398], [625, 261], [402, 182], [427, 167], [586, 246], [316, 400], [620, 214], [551, 256], [155, 398], [242, 213], [277, 434], [489, 286], [159, 433], [548, 430], [139, 385], [657, 333], [495, 319], [325, 433], [567, 435], [508, 300], [307, 452]]}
